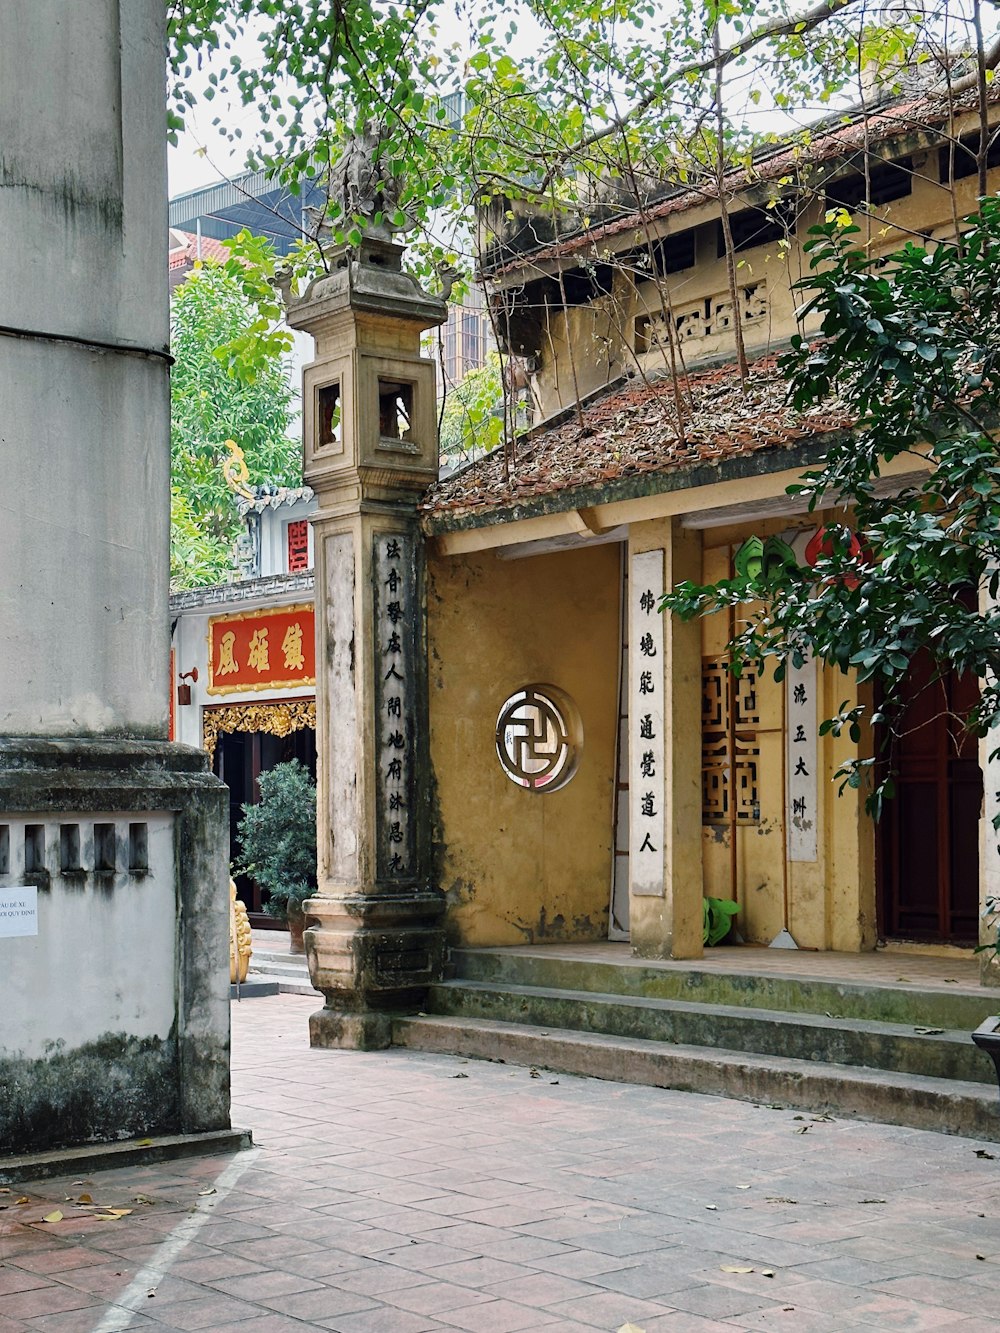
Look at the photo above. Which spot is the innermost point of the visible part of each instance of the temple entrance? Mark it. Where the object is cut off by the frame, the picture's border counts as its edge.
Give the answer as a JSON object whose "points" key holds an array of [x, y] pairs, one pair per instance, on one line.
{"points": [[245, 741], [928, 836]]}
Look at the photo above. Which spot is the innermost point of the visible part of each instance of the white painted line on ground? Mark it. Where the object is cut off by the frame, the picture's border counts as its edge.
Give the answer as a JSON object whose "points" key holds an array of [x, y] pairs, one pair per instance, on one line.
{"points": [[136, 1294]]}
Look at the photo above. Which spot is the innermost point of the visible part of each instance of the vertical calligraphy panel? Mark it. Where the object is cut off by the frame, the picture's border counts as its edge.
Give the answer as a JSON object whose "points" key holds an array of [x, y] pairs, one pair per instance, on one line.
{"points": [[647, 760], [396, 611], [801, 760], [337, 712]]}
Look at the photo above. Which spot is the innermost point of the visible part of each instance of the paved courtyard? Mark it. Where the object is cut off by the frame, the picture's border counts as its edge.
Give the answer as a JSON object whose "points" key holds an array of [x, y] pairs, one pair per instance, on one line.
{"points": [[398, 1193]]}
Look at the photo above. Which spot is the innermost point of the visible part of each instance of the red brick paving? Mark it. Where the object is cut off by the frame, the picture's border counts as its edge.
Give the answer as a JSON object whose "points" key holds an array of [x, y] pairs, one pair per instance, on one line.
{"points": [[388, 1195]]}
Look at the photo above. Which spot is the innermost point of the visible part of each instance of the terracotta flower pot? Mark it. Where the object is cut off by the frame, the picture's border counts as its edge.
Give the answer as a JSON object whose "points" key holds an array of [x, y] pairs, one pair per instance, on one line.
{"points": [[296, 925]]}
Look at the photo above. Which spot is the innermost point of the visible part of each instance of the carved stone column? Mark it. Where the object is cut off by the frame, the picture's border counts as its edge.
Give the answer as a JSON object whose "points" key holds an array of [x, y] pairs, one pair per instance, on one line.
{"points": [[374, 940]]}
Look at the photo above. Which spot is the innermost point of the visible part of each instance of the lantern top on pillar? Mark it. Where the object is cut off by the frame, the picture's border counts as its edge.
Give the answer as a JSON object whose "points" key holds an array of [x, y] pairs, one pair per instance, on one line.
{"points": [[366, 277]]}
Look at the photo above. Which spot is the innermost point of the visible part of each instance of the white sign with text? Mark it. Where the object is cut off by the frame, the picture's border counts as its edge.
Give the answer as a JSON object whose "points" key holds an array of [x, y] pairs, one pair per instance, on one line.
{"points": [[18, 911]]}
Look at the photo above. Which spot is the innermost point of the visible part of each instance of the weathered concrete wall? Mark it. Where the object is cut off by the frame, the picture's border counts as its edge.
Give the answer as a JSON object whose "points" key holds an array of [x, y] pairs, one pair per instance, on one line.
{"points": [[520, 866], [83, 539], [116, 1007]]}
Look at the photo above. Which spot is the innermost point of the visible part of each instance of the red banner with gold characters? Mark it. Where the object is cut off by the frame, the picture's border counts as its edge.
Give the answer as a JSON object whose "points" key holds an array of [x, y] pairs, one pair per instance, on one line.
{"points": [[262, 650]]}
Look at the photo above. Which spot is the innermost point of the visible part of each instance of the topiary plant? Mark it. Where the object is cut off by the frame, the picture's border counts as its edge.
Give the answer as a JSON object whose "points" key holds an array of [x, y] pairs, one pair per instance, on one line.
{"points": [[278, 837]]}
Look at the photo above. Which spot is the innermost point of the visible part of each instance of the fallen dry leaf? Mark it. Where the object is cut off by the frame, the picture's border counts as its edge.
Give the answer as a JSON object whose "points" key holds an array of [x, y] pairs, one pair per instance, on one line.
{"points": [[928, 1032], [84, 1198], [767, 1272], [23, 1199], [733, 1268], [980, 1152], [53, 1217], [712, 1208], [204, 1193], [631, 1328]]}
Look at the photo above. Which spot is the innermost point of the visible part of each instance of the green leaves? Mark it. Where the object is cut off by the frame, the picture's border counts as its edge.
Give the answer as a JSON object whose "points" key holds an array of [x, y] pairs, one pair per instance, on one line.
{"points": [[229, 381], [910, 349]]}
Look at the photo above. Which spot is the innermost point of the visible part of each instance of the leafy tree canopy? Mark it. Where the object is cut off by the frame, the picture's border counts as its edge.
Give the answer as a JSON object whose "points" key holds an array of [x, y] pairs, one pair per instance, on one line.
{"points": [[229, 383], [472, 420], [912, 349], [550, 100]]}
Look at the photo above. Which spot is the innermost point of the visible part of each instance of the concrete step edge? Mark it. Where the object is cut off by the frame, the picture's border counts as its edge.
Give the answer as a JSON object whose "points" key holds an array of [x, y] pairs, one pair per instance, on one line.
{"points": [[478, 959], [943, 1105], [748, 1013]]}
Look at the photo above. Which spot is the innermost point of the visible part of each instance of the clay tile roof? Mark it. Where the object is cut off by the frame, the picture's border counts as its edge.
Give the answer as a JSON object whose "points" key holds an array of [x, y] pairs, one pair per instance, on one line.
{"points": [[910, 116], [184, 256], [629, 431]]}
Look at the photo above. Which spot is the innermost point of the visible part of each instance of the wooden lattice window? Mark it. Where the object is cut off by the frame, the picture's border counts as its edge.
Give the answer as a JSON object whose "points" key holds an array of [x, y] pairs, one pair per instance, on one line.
{"points": [[730, 717], [298, 546]]}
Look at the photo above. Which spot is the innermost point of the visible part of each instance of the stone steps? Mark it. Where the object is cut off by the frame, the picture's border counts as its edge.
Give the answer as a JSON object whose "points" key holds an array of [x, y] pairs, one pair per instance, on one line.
{"points": [[950, 1106], [759, 1033], [288, 970], [918, 1005], [824, 1038]]}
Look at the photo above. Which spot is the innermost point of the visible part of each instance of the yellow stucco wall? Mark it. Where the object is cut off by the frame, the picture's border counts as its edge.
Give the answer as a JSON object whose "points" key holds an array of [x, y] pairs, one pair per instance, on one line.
{"points": [[519, 866]]}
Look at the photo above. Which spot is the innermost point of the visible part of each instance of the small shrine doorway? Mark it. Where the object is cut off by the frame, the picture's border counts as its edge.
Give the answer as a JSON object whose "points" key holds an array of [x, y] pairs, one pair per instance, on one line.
{"points": [[244, 742]]}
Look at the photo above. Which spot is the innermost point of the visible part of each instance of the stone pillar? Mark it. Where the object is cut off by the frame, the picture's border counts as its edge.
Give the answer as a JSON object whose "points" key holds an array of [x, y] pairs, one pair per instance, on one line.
{"points": [[374, 939], [665, 853]]}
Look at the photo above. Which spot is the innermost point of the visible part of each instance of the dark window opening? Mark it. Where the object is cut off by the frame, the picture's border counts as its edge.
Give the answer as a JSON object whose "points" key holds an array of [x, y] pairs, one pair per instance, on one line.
{"points": [[758, 226], [583, 285], [395, 410], [69, 848], [887, 181], [4, 849], [34, 847], [138, 847], [965, 158], [328, 415], [105, 860], [673, 254]]}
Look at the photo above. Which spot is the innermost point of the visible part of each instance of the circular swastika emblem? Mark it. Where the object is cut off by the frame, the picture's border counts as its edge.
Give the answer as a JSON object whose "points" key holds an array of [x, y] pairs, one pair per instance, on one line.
{"points": [[539, 736]]}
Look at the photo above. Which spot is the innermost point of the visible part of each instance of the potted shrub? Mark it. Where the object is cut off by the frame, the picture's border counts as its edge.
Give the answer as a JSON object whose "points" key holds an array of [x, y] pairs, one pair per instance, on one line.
{"points": [[278, 844]]}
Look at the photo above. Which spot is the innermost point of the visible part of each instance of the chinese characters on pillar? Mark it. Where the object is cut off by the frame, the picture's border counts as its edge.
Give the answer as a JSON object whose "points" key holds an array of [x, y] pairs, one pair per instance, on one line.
{"points": [[801, 760], [395, 620], [256, 650], [645, 723]]}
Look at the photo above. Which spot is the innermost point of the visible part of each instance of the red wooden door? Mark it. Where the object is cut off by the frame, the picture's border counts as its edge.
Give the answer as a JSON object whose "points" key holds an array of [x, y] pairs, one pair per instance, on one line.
{"points": [[928, 837]]}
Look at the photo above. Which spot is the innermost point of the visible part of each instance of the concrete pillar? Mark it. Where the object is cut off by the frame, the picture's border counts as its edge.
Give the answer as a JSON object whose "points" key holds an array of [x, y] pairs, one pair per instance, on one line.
{"points": [[113, 842], [374, 940], [665, 850]]}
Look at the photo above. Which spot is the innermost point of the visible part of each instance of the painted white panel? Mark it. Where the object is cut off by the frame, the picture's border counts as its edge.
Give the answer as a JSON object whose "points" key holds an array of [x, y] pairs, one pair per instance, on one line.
{"points": [[105, 949], [18, 911], [647, 766]]}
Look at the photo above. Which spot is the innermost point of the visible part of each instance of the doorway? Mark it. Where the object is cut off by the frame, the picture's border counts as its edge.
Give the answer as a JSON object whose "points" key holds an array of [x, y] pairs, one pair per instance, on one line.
{"points": [[240, 758], [928, 837]]}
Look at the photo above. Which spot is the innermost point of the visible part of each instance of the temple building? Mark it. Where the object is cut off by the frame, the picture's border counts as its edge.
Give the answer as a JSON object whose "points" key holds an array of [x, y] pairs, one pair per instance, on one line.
{"points": [[597, 770]]}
